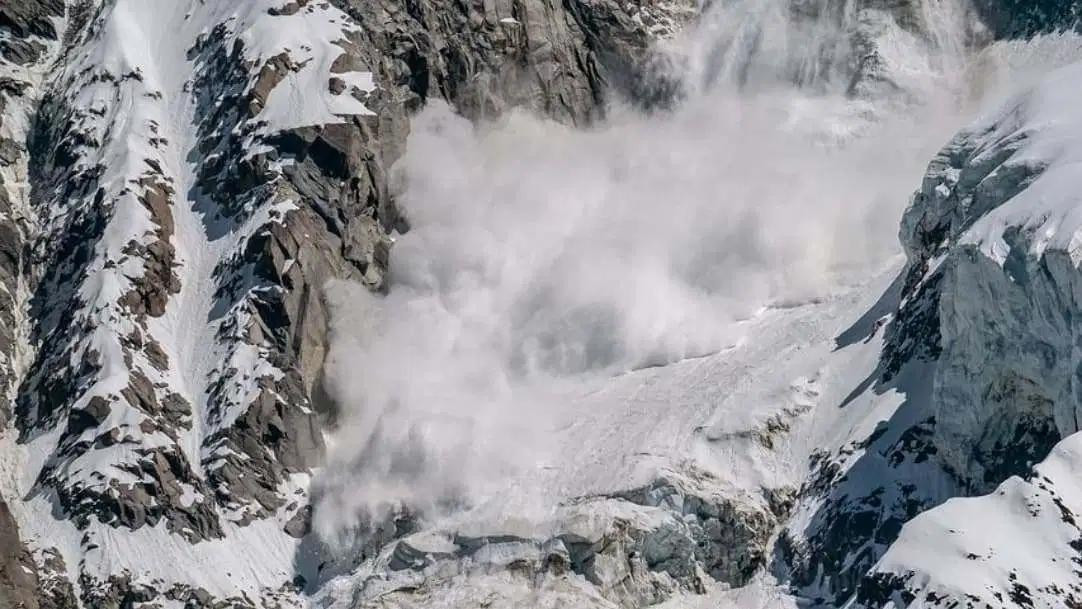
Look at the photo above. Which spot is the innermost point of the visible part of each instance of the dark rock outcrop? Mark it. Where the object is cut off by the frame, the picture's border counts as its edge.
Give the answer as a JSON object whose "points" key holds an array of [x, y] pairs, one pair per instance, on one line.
{"points": [[1024, 18], [18, 573], [982, 345]]}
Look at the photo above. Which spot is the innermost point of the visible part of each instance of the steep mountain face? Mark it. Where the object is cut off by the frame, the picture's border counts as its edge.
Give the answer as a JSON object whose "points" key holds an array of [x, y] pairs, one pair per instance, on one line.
{"points": [[180, 181], [996, 217], [981, 345]]}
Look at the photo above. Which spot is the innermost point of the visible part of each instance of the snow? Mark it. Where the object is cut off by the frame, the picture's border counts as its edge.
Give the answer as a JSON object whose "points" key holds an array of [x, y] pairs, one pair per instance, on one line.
{"points": [[224, 567], [1049, 210], [311, 38], [130, 76], [125, 47], [763, 593], [689, 422], [626, 429], [1017, 543], [701, 416], [689, 409], [1022, 534], [16, 126], [480, 225]]}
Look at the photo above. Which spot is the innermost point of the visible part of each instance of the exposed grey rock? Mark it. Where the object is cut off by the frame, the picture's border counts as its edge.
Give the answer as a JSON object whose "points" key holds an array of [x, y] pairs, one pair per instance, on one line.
{"points": [[1022, 412], [18, 573], [1024, 18], [481, 65], [11, 244], [13, 97], [300, 524], [31, 17], [726, 537], [983, 347], [264, 411], [21, 52], [20, 585], [55, 586], [555, 58]]}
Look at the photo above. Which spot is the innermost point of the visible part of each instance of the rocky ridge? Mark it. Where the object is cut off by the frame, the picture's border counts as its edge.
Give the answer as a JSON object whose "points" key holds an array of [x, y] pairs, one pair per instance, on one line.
{"points": [[181, 214], [995, 217], [977, 339]]}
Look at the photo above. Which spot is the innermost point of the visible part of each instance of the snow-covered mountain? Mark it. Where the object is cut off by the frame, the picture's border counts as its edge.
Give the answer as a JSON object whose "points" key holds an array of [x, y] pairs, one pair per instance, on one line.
{"points": [[538, 303]]}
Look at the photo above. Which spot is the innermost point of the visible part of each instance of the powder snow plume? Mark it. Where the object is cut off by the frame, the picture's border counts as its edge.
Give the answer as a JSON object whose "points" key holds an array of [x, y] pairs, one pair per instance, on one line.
{"points": [[541, 256]]}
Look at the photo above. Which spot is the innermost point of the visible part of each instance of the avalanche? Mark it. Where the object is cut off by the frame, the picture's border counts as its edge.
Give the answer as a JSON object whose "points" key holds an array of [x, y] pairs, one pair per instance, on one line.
{"points": [[645, 337]]}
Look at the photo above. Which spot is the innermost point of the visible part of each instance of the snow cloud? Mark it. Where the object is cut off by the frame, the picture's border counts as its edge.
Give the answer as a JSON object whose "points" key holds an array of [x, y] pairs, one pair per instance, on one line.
{"points": [[541, 255]]}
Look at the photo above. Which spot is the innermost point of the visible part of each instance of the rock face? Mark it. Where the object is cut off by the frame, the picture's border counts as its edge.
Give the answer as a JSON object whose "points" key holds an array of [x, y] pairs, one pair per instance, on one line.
{"points": [[992, 244], [170, 218], [998, 414], [30, 31], [982, 345], [675, 536], [18, 574], [558, 59]]}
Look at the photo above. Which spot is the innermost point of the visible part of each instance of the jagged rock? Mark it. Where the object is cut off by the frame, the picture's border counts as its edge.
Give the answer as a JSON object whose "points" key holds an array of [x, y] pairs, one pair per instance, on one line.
{"points": [[21, 52], [1024, 18], [300, 524], [982, 346], [553, 58], [31, 17], [18, 573], [727, 536], [678, 535], [999, 413]]}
